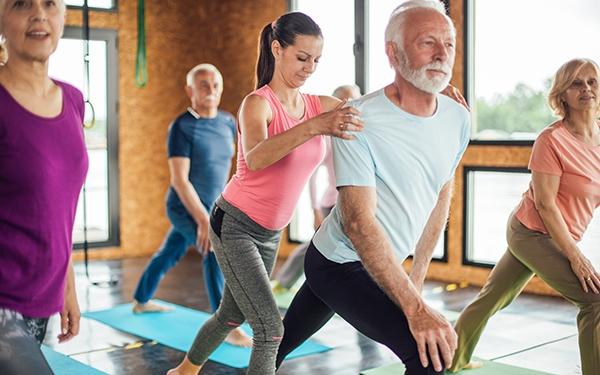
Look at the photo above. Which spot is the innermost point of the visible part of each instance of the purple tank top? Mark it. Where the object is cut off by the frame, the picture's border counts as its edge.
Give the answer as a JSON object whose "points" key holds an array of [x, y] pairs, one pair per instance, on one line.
{"points": [[43, 163]]}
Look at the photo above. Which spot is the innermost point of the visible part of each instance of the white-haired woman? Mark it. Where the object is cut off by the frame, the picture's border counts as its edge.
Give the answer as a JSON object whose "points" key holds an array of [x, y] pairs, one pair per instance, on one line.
{"points": [[544, 229], [43, 163]]}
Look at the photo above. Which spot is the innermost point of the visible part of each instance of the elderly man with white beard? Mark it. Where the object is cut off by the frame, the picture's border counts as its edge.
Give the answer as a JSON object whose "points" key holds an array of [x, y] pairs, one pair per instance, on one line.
{"points": [[395, 185]]}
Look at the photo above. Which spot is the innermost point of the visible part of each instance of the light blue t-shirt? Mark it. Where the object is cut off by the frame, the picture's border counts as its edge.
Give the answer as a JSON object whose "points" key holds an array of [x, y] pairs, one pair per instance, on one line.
{"points": [[407, 159]]}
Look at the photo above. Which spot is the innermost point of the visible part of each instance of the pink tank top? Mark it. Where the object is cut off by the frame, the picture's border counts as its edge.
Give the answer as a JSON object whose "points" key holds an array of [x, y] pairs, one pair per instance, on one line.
{"points": [[269, 196]]}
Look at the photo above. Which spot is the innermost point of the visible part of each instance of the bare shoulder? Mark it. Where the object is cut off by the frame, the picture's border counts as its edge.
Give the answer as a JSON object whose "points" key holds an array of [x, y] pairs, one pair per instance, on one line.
{"points": [[255, 102], [255, 110], [256, 107]]}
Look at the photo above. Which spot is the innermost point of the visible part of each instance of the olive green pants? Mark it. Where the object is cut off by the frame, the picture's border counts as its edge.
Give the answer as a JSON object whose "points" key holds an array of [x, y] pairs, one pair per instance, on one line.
{"points": [[530, 253]]}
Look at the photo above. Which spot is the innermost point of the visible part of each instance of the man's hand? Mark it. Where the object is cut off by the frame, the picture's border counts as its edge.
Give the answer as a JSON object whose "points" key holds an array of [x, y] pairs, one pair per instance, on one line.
{"points": [[434, 336]]}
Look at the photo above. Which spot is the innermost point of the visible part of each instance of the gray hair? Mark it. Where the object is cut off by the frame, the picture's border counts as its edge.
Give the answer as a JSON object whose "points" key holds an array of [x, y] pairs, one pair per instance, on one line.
{"points": [[338, 92], [394, 31], [189, 78]]}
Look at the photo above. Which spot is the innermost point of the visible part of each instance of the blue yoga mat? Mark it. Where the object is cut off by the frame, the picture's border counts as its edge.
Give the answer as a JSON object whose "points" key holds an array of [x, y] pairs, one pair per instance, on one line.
{"points": [[63, 365], [177, 329]]}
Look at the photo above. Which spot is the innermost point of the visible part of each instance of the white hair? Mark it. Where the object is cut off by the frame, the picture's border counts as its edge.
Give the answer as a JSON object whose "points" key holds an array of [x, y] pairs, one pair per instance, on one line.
{"points": [[395, 28], [341, 90], [189, 78]]}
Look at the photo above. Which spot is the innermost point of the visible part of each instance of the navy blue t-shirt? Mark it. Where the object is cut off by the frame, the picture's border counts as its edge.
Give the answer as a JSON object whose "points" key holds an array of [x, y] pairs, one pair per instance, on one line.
{"points": [[209, 144]]}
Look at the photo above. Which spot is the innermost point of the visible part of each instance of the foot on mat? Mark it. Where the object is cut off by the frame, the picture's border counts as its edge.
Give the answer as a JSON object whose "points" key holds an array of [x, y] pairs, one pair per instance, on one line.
{"points": [[149, 307], [469, 366], [238, 337]]}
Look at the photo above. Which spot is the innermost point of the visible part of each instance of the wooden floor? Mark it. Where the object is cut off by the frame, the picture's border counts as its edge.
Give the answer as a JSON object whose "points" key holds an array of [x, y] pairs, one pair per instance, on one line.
{"points": [[534, 332]]}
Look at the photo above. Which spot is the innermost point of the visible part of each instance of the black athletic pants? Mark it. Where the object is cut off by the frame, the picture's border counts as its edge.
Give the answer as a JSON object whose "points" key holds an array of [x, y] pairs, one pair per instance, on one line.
{"points": [[348, 290]]}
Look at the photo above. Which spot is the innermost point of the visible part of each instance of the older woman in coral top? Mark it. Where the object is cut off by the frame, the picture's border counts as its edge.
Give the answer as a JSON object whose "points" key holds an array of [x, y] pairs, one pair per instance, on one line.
{"points": [[544, 230]]}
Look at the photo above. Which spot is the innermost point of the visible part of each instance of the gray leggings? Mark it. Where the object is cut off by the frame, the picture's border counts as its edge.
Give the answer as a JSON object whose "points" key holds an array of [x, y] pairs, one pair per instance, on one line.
{"points": [[246, 253]]}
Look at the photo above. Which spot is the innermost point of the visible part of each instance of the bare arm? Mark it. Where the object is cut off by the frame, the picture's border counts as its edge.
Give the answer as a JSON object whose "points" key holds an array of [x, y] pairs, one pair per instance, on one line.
{"points": [[431, 331], [430, 236], [545, 187], [179, 168], [260, 151], [70, 314], [314, 202]]}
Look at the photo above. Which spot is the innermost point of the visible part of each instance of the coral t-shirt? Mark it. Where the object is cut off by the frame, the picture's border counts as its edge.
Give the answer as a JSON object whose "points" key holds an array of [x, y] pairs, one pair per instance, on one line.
{"points": [[557, 152]]}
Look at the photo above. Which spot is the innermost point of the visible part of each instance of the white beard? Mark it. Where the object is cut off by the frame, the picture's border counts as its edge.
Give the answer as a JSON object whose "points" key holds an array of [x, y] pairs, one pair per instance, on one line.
{"points": [[418, 77]]}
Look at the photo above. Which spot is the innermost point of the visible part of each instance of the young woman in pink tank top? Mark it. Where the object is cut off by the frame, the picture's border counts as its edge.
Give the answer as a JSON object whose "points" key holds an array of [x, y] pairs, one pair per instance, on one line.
{"points": [[280, 146]]}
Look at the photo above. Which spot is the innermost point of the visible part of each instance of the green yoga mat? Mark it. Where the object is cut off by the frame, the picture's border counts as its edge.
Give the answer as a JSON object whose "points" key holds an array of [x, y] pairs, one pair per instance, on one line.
{"points": [[177, 329], [489, 368], [63, 365]]}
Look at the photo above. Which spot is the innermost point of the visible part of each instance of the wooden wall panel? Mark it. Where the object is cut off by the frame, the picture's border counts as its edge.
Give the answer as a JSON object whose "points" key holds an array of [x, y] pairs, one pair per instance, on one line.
{"points": [[180, 34]]}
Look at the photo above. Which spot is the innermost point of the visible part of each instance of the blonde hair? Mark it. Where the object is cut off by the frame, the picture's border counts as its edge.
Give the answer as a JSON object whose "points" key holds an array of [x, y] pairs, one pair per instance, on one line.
{"points": [[189, 78], [563, 79]]}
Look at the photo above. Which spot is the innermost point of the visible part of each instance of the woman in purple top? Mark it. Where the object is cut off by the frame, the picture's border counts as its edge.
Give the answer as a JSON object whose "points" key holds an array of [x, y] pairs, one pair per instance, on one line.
{"points": [[43, 163]]}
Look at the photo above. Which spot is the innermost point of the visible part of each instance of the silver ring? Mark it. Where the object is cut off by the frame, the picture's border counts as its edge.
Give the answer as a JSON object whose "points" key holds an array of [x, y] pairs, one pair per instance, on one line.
{"points": [[343, 126], [589, 278]]}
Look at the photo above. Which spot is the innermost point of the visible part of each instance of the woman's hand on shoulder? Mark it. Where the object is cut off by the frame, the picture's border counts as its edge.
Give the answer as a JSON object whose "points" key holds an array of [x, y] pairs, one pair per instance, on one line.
{"points": [[336, 120], [455, 94]]}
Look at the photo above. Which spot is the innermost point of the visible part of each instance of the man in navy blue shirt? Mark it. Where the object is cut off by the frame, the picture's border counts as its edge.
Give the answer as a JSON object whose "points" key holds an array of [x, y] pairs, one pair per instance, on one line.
{"points": [[200, 148]]}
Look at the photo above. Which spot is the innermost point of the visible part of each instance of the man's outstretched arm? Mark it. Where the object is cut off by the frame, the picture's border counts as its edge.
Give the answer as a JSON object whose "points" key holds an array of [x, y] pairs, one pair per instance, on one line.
{"points": [[430, 236]]}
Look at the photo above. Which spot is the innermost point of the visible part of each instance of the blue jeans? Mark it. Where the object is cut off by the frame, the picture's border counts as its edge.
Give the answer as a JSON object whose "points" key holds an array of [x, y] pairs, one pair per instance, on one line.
{"points": [[179, 238]]}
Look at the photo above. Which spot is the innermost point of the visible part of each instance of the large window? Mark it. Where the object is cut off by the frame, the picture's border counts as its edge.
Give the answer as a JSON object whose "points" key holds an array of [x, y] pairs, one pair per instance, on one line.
{"points": [[346, 60], [378, 70], [336, 66], [491, 194], [514, 48], [354, 49], [100, 4], [101, 195]]}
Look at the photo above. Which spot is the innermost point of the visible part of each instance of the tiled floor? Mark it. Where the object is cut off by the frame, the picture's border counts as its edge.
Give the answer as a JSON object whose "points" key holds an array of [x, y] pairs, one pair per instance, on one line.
{"points": [[534, 332]]}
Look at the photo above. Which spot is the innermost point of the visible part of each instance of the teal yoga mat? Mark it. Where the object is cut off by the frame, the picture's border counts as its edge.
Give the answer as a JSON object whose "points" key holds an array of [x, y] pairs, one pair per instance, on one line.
{"points": [[177, 329], [489, 368], [63, 365]]}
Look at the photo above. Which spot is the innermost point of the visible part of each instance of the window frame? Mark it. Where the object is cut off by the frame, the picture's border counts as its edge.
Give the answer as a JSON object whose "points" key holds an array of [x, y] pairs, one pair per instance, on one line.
{"points": [[361, 66], [467, 240], [113, 9], [110, 37]]}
